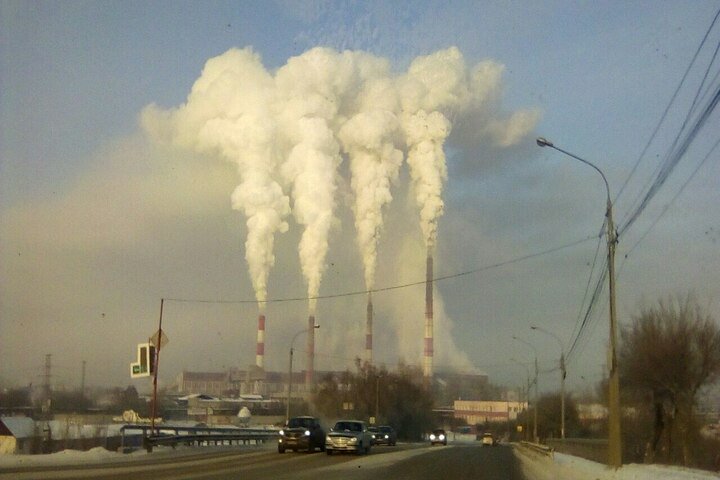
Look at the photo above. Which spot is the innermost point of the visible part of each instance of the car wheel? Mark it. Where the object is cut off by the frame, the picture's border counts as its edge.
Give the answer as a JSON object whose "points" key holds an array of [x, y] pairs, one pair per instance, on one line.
{"points": [[281, 449], [311, 447], [367, 450], [328, 451]]}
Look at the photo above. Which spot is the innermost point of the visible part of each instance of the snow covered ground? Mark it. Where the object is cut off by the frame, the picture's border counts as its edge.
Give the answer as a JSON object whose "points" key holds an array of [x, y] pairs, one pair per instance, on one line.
{"points": [[99, 455], [563, 466], [536, 467]]}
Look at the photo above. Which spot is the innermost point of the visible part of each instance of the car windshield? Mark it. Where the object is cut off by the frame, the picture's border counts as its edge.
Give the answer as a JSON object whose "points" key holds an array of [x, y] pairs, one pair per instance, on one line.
{"points": [[385, 429], [348, 426], [300, 422]]}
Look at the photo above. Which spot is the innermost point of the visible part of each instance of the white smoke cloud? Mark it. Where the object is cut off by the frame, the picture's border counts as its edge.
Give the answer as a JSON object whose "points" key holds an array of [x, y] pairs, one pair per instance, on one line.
{"points": [[229, 112], [287, 132]]}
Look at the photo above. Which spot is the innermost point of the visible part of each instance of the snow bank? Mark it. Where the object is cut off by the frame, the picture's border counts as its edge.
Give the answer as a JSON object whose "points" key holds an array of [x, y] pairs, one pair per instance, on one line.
{"points": [[562, 466]]}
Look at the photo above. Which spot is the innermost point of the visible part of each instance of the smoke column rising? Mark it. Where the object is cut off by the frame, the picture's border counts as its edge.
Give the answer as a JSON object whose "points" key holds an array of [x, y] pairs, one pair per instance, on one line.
{"points": [[288, 131]]}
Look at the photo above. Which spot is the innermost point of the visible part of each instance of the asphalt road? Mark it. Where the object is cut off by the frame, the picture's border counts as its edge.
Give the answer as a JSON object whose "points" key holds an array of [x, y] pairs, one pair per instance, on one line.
{"points": [[409, 461]]}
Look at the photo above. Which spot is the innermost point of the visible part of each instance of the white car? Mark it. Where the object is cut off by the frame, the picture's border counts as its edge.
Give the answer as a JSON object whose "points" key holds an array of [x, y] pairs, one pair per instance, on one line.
{"points": [[488, 440], [348, 436]]}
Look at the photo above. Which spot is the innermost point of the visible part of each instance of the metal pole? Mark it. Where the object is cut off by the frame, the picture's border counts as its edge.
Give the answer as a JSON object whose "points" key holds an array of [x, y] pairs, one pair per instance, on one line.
{"points": [[155, 375], [292, 342], [614, 433], [527, 417], [537, 398], [287, 411], [563, 374], [537, 395], [614, 430]]}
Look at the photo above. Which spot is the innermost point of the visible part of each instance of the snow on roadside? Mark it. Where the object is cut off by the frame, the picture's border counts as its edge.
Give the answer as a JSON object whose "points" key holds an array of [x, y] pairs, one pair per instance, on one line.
{"points": [[563, 466]]}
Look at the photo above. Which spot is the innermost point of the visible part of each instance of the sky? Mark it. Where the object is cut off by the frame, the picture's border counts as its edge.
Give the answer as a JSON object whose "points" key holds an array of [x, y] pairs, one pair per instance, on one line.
{"points": [[132, 133]]}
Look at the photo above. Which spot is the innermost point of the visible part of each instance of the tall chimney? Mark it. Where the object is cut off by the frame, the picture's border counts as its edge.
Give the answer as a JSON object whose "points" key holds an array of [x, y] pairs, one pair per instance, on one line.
{"points": [[310, 370], [428, 353], [369, 330], [260, 349]]}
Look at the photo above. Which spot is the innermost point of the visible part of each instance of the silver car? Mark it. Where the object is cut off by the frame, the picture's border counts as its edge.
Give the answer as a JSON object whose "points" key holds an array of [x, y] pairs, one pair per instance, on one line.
{"points": [[348, 436]]}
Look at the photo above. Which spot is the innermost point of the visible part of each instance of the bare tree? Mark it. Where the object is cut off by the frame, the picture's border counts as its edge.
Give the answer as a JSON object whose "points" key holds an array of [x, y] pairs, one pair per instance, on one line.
{"points": [[668, 353]]}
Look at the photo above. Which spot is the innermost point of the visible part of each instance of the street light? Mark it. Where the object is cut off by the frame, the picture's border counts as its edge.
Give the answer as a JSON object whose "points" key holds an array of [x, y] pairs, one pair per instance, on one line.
{"points": [[527, 396], [563, 374], [614, 436], [304, 330], [537, 395], [377, 398]]}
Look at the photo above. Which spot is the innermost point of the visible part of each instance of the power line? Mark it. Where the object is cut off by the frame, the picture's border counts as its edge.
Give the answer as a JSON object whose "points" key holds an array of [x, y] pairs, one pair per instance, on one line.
{"points": [[394, 287], [669, 204], [682, 140], [667, 108]]}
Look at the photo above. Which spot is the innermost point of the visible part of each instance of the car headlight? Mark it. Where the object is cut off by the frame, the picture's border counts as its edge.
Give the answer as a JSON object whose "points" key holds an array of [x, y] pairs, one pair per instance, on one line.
{"points": [[442, 437], [307, 433], [353, 440], [328, 439], [282, 433], [432, 436], [387, 436]]}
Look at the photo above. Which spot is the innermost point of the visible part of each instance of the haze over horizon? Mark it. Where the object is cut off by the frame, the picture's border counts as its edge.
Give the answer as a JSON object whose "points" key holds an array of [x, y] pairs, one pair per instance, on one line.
{"points": [[151, 151]]}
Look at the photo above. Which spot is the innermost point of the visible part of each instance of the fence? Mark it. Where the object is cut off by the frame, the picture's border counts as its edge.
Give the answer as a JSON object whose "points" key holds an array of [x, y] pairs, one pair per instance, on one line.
{"points": [[175, 435]]}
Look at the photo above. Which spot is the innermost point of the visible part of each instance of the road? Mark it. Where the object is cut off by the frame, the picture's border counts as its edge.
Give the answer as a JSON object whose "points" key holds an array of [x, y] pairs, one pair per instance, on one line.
{"points": [[409, 461]]}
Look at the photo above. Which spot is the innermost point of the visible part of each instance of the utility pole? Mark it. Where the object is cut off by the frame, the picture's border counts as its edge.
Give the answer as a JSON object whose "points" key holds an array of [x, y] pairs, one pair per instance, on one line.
{"points": [[47, 402], [82, 381], [614, 412], [537, 397]]}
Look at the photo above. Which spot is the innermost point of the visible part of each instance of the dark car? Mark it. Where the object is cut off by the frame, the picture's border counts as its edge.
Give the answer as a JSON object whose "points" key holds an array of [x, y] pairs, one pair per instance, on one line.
{"points": [[438, 436], [383, 435], [301, 433]]}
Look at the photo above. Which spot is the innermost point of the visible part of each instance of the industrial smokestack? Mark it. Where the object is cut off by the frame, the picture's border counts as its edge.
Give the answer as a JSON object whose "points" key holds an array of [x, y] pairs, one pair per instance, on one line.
{"points": [[260, 350], [369, 330], [310, 370], [428, 354]]}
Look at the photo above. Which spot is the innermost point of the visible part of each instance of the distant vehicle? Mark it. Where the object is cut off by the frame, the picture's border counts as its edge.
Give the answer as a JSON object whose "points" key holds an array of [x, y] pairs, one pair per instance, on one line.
{"points": [[438, 436], [488, 440], [301, 433], [348, 436], [383, 435]]}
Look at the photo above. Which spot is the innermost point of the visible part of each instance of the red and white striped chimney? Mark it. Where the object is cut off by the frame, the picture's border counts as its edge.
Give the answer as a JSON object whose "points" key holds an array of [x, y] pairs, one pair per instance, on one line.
{"points": [[310, 370], [260, 349], [428, 352], [369, 330]]}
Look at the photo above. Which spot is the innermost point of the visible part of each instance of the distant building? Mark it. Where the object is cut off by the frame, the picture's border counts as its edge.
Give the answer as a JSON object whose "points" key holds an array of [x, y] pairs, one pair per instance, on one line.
{"points": [[483, 411], [17, 435], [236, 383]]}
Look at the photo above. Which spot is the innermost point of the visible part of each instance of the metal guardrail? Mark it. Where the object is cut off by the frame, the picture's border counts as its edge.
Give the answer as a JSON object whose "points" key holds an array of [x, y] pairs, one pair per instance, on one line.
{"points": [[538, 448], [175, 435]]}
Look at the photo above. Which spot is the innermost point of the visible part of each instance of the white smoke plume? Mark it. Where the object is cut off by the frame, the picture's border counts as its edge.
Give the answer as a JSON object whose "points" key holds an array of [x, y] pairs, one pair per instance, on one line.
{"points": [[369, 139], [311, 90], [289, 130], [229, 112]]}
